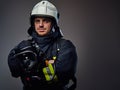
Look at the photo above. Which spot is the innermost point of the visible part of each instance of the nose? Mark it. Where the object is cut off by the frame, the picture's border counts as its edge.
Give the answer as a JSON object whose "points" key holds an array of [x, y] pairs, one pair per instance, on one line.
{"points": [[41, 23]]}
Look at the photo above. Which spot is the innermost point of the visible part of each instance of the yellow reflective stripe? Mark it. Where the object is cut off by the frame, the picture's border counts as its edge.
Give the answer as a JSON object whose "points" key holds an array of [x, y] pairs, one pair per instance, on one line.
{"points": [[51, 69], [46, 74], [49, 73]]}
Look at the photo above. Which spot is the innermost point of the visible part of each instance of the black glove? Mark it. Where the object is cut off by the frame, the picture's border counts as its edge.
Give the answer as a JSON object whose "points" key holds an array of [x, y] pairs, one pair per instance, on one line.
{"points": [[28, 58]]}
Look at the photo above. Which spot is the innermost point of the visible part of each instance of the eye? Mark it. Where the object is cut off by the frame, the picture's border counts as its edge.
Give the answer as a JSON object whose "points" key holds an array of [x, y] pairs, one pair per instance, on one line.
{"points": [[37, 20], [47, 20]]}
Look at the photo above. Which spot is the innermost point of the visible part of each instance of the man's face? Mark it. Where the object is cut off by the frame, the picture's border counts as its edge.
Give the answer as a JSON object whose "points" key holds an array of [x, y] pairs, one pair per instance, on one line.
{"points": [[42, 26]]}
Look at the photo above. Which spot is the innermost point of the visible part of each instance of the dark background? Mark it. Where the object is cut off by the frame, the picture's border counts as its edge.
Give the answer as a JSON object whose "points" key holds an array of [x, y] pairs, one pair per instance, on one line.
{"points": [[92, 25]]}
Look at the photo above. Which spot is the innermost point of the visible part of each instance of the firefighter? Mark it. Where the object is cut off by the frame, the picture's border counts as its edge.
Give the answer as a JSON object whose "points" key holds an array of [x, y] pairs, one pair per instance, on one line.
{"points": [[46, 61]]}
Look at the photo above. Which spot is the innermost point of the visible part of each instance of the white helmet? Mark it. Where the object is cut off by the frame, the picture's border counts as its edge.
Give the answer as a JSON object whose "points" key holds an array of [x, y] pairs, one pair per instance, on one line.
{"points": [[45, 8]]}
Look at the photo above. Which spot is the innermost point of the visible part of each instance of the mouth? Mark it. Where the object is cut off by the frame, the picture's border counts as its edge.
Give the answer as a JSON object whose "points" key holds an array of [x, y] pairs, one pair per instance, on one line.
{"points": [[41, 30]]}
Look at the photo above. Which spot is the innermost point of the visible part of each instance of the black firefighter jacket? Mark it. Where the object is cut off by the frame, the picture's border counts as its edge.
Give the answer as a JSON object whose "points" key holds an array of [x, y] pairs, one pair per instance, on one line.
{"points": [[65, 65]]}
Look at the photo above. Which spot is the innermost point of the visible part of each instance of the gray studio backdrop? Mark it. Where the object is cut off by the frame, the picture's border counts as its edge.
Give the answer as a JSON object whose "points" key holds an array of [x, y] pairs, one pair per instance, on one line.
{"points": [[92, 25]]}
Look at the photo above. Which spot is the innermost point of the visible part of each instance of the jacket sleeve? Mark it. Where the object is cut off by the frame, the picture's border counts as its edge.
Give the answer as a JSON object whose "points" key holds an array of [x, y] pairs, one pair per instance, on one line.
{"points": [[66, 60], [14, 63]]}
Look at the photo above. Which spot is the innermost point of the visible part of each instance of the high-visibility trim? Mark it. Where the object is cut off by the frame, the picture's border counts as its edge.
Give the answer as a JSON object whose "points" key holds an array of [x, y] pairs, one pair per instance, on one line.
{"points": [[49, 73], [51, 69], [47, 77]]}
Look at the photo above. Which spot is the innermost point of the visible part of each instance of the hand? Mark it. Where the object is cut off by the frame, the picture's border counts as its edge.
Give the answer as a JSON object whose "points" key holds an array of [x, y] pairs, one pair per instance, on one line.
{"points": [[51, 61], [28, 59]]}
